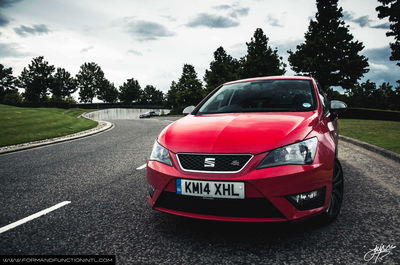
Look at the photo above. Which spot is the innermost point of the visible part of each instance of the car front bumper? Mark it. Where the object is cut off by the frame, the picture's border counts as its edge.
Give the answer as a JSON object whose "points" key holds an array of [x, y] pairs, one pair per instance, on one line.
{"points": [[267, 192]]}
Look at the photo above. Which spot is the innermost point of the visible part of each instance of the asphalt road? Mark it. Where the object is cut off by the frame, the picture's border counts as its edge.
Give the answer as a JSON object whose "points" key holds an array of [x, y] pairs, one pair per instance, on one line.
{"points": [[108, 213]]}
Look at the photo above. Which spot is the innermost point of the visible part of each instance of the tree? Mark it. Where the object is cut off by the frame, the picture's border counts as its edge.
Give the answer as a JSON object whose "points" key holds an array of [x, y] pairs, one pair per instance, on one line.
{"points": [[89, 79], [187, 91], [391, 9], [64, 84], [37, 79], [7, 82], [130, 91], [107, 92], [360, 95], [224, 68], [190, 88], [329, 53], [152, 96], [172, 96], [261, 59]]}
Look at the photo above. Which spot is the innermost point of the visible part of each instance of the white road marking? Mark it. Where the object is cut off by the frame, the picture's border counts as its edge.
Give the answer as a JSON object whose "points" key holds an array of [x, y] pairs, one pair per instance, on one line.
{"points": [[33, 216], [141, 167]]}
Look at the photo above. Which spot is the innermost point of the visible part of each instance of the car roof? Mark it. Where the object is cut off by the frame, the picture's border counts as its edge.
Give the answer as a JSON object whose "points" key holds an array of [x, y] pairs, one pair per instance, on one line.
{"points": [[269, 78]]}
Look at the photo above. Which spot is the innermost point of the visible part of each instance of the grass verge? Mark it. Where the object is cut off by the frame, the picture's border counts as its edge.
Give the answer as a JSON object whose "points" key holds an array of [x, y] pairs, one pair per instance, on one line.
{"points": [[21, 125], [385, 134]]}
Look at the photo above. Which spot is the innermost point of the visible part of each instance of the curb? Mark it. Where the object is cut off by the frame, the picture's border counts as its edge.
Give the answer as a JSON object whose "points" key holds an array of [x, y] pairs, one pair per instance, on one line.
{"points": [[102, 126], [386, 153]]}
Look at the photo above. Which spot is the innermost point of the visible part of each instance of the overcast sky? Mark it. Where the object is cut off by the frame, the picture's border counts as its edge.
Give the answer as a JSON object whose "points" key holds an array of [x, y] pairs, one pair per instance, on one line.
{"points": [[151, 40]]}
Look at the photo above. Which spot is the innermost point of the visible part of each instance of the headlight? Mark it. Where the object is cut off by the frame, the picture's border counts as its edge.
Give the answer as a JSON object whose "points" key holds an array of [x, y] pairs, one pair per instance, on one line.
{"points": [[300, 153], [160, 153]]}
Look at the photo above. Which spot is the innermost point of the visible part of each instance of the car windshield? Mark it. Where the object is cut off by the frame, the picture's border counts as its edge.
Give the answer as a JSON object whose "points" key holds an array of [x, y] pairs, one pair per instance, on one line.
{"points": [[279, 95]]}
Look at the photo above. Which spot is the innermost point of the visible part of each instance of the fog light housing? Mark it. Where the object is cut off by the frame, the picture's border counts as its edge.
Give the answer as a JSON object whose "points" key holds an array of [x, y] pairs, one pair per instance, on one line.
{"points": [[308, 200], [151, 190]]}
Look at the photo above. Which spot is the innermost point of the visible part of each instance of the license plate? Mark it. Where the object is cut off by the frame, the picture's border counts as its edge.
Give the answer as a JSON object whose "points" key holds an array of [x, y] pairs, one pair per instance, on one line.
{"points": [[212, 189]]}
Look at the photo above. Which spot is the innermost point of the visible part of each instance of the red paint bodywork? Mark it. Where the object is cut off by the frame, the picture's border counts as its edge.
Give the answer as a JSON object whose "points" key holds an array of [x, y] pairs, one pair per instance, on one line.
{"points": [[252, 133]]}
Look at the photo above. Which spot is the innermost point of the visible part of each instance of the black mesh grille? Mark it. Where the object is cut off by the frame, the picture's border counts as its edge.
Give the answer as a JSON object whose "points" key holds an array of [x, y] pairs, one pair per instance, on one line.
{"points": [[221, 162], [246, 208]]}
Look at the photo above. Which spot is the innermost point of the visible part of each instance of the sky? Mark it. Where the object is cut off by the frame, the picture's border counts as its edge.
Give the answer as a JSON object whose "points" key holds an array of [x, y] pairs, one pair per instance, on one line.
{"points": [[151, 40]]}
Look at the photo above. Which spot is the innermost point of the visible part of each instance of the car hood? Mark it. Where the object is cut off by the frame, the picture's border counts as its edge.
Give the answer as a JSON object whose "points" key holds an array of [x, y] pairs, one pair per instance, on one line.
{"points": [[251, 133]]}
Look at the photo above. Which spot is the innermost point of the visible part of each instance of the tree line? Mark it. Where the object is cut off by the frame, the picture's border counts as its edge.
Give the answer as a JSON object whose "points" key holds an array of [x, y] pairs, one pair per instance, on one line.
{"points": [[329, 53], [43, 83]]}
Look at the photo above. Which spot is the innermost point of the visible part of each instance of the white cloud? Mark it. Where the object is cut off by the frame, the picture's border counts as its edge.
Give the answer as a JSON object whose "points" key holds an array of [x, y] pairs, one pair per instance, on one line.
{"points": [[378, 67]]}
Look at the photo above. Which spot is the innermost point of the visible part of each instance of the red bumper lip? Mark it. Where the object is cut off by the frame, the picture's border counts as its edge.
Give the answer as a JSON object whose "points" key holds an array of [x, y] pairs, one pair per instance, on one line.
{"points": [[272, 184], [220, 218]]}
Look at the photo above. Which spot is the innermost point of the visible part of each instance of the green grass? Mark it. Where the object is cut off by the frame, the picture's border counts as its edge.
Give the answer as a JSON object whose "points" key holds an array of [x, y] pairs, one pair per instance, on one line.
{"points": [[385, 134], [21, 125]]}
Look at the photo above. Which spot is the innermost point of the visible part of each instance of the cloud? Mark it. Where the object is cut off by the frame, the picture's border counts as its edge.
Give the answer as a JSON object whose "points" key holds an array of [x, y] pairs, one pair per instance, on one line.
{"points": [[3, 20], [347, 16], [378, 55], [25, 31], [8, 50], [273, 21], [233, 10], [379, 67], [227, 16], [170, 18], [243, 11], [147, 30], [363, 21], [222, 7], [212, 21], [382, 26], [382, 69], [8, 3], [86, 49], [135, 52]]}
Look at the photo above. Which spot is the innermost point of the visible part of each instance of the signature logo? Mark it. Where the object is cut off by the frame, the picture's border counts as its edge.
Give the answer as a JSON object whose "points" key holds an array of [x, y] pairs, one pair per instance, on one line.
{"points": [[209, 162], [235, 163], [378, 253]]}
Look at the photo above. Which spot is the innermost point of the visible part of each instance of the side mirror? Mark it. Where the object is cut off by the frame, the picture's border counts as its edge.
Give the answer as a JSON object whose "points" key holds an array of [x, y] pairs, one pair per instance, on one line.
{"points": [[188, 110], [337, 106]]}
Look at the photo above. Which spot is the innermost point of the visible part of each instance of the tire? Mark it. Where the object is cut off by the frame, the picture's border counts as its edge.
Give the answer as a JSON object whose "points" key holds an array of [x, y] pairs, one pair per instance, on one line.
{"points": [[333, 210]]}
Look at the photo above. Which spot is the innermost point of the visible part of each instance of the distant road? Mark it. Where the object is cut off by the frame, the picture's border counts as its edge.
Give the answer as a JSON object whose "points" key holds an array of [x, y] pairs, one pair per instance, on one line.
{"points": [[108, 213]]}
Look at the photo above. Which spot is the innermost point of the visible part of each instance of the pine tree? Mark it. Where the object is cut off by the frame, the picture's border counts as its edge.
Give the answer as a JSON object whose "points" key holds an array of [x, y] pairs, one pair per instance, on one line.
{"points": [[190, 87], [130, 91], [187, 91], [37, 80], [261, 59], [391, 9], [172, 93], [224, 68], [329, 52]]}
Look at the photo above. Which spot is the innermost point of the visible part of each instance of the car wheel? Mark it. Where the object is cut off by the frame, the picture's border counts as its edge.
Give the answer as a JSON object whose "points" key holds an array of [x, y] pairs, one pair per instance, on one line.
{"points": [[336, 196]]}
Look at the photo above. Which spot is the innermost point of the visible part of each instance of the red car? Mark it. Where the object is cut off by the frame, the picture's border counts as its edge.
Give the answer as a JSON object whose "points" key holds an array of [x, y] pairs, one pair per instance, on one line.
{"points": [[254, 150]]}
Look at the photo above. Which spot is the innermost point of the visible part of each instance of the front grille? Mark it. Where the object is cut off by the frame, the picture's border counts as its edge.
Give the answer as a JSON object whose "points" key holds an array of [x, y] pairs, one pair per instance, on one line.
{"points": [[213, 162], [246, 208]]}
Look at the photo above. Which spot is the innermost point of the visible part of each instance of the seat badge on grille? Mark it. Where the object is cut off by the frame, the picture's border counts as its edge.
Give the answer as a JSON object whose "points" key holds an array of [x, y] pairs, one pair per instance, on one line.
{"points": [[209, 162], [235, 163]]}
